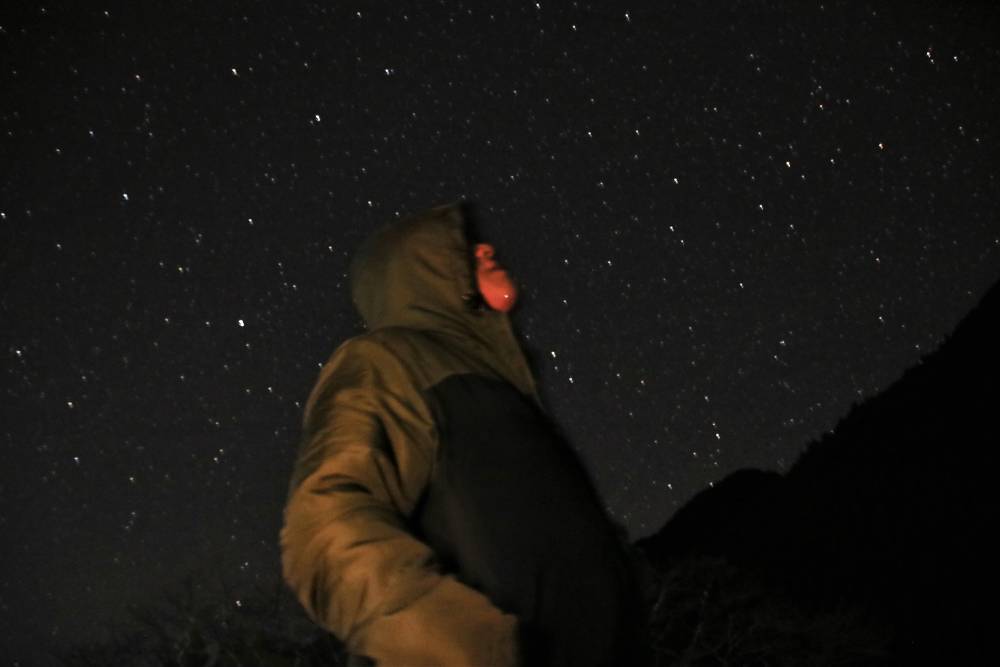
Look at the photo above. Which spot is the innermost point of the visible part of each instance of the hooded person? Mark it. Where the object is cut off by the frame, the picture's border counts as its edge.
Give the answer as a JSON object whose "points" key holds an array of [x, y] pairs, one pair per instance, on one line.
{"points": [[435, 516]]}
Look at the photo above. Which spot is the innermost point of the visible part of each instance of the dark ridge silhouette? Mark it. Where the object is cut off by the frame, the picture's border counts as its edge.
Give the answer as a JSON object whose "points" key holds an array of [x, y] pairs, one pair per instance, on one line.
{"points": [[889, 518]]}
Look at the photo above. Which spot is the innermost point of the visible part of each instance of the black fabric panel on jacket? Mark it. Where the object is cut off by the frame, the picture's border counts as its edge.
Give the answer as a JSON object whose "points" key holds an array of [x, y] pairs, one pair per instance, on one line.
{"points": [[511, 510]]}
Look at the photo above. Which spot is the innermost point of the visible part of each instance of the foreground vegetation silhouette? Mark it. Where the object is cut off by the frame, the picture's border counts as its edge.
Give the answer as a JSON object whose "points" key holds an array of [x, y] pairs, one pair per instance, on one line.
{"points": [[874, 549]]}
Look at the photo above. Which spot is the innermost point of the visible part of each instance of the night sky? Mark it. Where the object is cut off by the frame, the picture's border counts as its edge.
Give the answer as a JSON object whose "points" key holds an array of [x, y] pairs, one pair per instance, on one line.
{"points": [[730, 221]]}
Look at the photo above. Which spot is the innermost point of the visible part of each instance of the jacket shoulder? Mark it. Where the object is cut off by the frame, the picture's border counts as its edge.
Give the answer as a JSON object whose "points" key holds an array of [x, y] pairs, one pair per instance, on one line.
{"points": [[379, 351], [410, 348], [358, 366], [407, 358], [380, 341]]}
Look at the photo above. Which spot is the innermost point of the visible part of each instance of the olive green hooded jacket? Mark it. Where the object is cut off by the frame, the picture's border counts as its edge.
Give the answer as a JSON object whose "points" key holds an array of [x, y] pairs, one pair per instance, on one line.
{"points": [[435, 516]]}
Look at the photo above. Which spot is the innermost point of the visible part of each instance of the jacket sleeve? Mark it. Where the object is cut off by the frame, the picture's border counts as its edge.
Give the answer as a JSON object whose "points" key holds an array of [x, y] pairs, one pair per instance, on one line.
{"points": [[365, 458]]}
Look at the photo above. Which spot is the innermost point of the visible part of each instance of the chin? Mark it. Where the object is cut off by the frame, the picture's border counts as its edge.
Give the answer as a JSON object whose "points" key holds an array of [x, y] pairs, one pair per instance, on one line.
{"points": [[504, 303]]}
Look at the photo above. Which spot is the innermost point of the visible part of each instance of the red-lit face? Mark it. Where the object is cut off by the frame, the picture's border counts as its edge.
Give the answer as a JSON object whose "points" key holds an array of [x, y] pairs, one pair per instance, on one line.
{"points": [[498, 290]]}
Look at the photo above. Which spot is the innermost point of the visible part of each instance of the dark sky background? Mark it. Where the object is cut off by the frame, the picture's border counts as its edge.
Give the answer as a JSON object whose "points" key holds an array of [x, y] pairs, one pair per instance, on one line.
{"points": [[731, 221]]}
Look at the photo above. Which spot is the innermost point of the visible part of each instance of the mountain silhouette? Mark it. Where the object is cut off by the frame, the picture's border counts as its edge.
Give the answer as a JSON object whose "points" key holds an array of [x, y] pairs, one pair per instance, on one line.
{"points": [[889, 519]]}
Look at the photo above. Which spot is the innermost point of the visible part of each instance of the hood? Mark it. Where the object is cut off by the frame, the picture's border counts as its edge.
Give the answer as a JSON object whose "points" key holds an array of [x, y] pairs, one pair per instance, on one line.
{"points": [[417, 273]]}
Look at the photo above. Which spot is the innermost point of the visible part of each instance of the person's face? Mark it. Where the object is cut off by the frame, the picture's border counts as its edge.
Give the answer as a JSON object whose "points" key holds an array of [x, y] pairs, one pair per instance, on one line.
{"points": [[498, 290]]}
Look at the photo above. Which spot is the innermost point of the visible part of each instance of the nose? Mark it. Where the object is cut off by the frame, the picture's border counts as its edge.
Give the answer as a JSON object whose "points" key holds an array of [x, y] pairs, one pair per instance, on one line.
{"points": [[484, 251]]}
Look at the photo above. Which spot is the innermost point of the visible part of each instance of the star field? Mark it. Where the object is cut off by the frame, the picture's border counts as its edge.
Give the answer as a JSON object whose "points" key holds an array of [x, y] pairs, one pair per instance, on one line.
{"points": [[729, 222]]}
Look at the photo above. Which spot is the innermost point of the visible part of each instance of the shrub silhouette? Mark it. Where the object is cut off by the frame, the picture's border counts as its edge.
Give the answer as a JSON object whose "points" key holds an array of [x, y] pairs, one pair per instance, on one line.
{"points": [[709, 612], [264, 626]]}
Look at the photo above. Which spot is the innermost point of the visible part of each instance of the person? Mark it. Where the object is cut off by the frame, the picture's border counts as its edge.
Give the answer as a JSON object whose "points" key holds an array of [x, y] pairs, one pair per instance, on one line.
{"points": [[435, 516]]}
